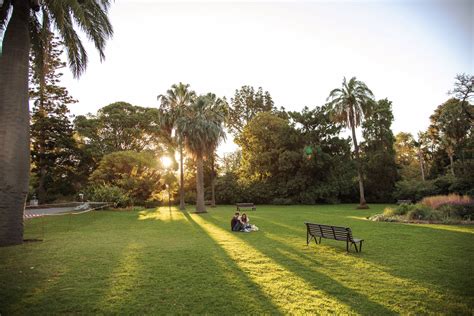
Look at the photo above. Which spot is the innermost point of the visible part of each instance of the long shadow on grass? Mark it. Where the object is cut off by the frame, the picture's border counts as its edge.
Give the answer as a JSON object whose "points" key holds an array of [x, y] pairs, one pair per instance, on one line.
{"points": [[431, 255], [248, 291], [353, 271], [358, 302], [186, 272]]}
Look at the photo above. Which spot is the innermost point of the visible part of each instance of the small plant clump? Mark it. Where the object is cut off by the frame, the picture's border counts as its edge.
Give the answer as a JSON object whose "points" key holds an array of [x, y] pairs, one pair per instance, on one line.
{"points": [[446, 209]]}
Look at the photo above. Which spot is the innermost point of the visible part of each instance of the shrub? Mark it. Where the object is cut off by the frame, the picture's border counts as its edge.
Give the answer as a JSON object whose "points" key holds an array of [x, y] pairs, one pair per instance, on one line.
{"points": [[282, 201], [388, 211], [106, 193], [419, 211], [403, 208], [457, 211], [414, 190], [436, 201]]}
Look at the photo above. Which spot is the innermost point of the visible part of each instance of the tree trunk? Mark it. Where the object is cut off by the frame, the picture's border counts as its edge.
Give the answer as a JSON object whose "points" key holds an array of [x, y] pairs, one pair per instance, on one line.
{"points": [[182, 207], [362, 202], [14, 125], [451, 163], [420, 157], [200, 206], [213, 182], [41, 188]]}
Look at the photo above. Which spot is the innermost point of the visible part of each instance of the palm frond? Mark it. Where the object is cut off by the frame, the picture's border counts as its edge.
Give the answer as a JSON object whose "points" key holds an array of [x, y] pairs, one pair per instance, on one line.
{"points": [[4, 12]]}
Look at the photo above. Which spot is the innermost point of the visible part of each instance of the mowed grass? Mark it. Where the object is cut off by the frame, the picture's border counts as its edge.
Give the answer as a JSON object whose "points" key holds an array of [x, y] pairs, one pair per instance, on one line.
{"points": [[158, 262]]}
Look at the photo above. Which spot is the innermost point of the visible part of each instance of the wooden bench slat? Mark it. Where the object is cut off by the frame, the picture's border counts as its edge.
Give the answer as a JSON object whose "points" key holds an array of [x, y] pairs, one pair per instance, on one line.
{"points": [[332, 232], [245, 206]]}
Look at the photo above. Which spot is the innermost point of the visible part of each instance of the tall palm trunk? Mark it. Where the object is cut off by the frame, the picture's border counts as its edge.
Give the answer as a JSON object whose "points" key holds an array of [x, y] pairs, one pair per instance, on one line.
{"points": [[181, 177], [362, 202], [213, 182], [14, 125], [200, 206]]}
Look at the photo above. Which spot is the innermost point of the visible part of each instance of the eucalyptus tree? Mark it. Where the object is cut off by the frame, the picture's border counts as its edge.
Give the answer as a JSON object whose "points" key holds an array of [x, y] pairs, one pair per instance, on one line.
{"points": [[173, 104], [202, 129], [349, 105], [26, 24]]}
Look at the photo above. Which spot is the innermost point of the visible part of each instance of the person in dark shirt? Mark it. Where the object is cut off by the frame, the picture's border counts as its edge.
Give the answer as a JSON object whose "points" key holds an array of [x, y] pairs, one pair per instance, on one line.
{"points": [[235, 223]]}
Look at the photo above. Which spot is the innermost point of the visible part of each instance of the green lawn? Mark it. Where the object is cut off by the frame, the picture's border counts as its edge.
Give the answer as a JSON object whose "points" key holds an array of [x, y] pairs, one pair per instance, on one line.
{"points": [[158, 262]]}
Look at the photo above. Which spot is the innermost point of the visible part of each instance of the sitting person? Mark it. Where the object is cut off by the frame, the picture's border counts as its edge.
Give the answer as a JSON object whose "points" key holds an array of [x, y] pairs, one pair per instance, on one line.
{"points": [[235, 223], [247, 227], [245, 221]]}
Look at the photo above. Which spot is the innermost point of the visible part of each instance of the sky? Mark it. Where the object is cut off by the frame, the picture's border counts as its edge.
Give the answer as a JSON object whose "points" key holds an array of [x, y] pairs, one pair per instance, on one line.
{"points": [[406, 51]]}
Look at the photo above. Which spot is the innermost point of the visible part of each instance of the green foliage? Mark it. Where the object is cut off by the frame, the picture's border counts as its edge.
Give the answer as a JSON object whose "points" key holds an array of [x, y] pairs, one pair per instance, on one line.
{"points": [[414, 190], [462, 211], [108, 193], [378, 151], [136, 173], [119, 126], [54, 154], [245, 105], [228, 190], [418, 211]]}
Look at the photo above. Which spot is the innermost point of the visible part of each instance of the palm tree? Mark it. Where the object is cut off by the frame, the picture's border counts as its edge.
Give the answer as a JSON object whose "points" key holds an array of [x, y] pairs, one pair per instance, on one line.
{"points": [[173, 105], [202, 128], [221, 106], [349, 105], [24, 30]]}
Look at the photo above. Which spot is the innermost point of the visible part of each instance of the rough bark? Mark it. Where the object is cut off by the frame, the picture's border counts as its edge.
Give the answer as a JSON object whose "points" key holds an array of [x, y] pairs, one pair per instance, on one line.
{"points": [[200, 206], [362, 202], [14, 125]]}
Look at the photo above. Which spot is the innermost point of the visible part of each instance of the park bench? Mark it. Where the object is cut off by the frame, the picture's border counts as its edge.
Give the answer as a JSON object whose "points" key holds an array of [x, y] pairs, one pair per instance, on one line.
{"points": [[314, 231], [245, 206], [403, 202]]}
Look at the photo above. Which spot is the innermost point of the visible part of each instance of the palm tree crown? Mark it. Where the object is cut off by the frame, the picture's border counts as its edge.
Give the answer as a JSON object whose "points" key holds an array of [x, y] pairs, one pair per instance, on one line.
{"points": [[61, 16], [350, 103], [202, 125]]}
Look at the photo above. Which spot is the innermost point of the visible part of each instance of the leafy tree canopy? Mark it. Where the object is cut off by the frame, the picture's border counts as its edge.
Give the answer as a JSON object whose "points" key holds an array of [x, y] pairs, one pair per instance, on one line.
{"points": [[245, 104]]}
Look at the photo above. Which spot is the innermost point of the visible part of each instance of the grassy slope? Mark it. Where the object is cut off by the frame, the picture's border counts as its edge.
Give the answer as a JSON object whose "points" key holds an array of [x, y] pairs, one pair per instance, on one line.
{"points": [[161, 262]]}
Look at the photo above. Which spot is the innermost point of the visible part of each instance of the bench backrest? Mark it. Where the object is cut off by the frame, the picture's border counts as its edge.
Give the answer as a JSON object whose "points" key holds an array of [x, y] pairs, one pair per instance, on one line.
{"points": [[331, 232], [245, 204]]}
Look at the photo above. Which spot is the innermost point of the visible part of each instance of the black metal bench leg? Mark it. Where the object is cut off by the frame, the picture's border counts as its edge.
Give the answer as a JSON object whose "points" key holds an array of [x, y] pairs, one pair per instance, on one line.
{"points": [[319, 239], [355, 246], [307, 238], [360, 246]]}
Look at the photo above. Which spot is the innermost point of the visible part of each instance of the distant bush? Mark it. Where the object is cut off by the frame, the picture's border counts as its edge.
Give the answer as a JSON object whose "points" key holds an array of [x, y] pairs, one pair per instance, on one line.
{"points": [[282, 201], [436, 201], [107, 193], [457, 211], [414, 190], [419, 211]]}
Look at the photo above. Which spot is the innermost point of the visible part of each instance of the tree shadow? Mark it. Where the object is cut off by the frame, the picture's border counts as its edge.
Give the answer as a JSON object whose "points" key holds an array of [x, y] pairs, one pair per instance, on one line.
{"points": [[358, 302], [350, 278]]}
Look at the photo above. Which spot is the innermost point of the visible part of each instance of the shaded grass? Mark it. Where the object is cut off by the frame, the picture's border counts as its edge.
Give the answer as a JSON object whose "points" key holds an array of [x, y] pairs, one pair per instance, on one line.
{"points": [[160, 262]]}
